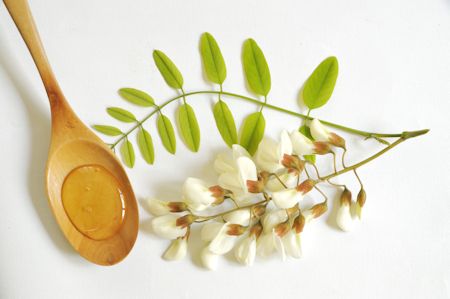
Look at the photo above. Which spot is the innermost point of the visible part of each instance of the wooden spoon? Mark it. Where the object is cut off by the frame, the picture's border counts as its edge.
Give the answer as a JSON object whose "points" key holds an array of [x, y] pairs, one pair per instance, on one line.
{"points": [[88, 189]]}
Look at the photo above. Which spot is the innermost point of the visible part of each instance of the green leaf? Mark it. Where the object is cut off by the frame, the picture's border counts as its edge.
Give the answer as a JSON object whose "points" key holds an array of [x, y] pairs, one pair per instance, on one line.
{"points": [[213, 62], [167, 134], [189, 127], [307, 132], [121, 114], [320, 85], [168, 70], [256, 68], [225, 123], [108, 130], [253, 131], [136, 97], [145, 144], [127, 152]]}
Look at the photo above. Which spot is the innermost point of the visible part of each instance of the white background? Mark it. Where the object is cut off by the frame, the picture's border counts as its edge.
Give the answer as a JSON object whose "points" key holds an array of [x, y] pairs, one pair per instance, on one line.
{"points": [[394, 75]]}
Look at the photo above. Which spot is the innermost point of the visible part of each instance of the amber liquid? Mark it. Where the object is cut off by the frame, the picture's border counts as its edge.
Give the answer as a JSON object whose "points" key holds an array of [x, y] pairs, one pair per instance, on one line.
{"points": [[93, 201]]}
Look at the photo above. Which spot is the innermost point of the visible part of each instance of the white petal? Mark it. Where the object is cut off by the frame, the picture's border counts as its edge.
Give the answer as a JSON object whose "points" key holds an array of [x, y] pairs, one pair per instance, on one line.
{"points": [[285, 147], [196, 193], [239, 151], [223, 242], [273, 218], [230, 181], [165, 226], [265, 245], [245, 251], [210, 230], [292, 244], [308, 215], [273, 184], [267, 156], [241, 217], [356, 210], [177, 250], [344, 218], [318, 131], [224, 163], [209, 259], [278, 243], [287, 198], [157, 207], [301, 144], [247, 171]]}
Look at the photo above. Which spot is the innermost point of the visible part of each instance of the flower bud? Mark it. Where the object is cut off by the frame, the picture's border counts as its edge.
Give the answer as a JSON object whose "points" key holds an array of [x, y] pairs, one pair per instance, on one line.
{"points": [[185, 220], [320, 133], [344, 217], [177, 250], [318, 209], [293, 163], [159, 207], [258, 186], [321, 148], [299, 223], [166, 226], [256, 230], [258, 210], [219, 194], [282, 229], [306, 186], [360, 201], [235, 229]]}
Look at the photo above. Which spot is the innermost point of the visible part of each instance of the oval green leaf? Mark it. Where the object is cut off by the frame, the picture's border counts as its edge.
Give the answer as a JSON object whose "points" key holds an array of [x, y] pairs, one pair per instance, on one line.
{"points": [[121, 114], [256, 68], [188, 124], [145, 143], [212, 58], [137, 97], [320, 85], [167, 134], [127, 152], [307, 132], [168, 70], [108, 130], [253, 131], [225, 123]]}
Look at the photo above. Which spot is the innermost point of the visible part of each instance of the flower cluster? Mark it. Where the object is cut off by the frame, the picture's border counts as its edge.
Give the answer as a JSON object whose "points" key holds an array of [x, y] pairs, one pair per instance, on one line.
{"points": [[266, 190]]}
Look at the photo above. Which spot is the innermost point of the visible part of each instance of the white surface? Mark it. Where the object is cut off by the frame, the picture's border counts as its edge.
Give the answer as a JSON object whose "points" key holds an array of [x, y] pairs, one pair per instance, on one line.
{"points": [[394, 75]]}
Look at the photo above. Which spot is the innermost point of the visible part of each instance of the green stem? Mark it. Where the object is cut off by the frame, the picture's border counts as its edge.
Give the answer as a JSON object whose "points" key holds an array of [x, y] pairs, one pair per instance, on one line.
{"points": [[272, 107]]}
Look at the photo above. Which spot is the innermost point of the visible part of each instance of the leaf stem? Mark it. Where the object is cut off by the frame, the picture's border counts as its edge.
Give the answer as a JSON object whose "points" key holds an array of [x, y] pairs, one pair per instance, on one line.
{"points": [[272, 107]]}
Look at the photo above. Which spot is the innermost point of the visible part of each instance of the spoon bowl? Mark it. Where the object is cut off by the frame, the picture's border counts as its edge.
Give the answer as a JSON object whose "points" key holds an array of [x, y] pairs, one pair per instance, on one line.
{"points": [[88, 189]]}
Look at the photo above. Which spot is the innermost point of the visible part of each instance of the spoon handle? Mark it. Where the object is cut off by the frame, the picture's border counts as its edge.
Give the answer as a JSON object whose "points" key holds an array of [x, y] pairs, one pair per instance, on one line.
{"points": [[21, 14]]}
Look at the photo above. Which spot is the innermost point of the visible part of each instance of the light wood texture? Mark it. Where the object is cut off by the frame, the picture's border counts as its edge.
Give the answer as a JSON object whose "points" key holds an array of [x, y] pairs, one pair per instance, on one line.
{"points": [[74, 145]]}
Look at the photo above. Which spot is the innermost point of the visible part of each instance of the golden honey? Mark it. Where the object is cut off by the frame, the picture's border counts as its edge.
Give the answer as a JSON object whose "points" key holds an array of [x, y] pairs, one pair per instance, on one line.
{"points": [[93, 201]]}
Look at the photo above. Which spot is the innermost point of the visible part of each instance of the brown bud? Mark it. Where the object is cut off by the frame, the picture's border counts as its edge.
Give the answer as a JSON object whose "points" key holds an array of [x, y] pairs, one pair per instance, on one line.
{"points": [[258, 186], [321, 148], [293, 163], [259, 210], [219, 193], [337, 140], [185, 220], [306, 186], [319, 209], [235, 229], [299, 223], [292, 210], [361, 198], [256, 230], [282, 229], [177, 206], [346, 197]]}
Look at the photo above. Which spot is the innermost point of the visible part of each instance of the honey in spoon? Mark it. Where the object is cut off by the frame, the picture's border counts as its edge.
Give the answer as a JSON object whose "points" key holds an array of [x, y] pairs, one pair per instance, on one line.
{"points": [[93, 201]]}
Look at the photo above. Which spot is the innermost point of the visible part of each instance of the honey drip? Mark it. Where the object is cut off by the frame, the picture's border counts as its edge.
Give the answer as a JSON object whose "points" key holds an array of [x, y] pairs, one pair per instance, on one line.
{"points": [[93, 201]]}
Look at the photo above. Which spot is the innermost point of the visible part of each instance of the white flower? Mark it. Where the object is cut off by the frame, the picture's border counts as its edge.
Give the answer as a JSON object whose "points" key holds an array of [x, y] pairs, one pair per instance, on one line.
{"points": [[241, 216], [245, 251], [166, 226], [287, 198], [272, 218], [225, 162], [236, 181], [344, 217], [158, 207], [265, 244], [210, 230], [197, 194], [320, 133], [270, 154], [209, 259], [288, 178], [222, 242], [177, 250], [292, 244], [269, 240], [301, 144]]}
